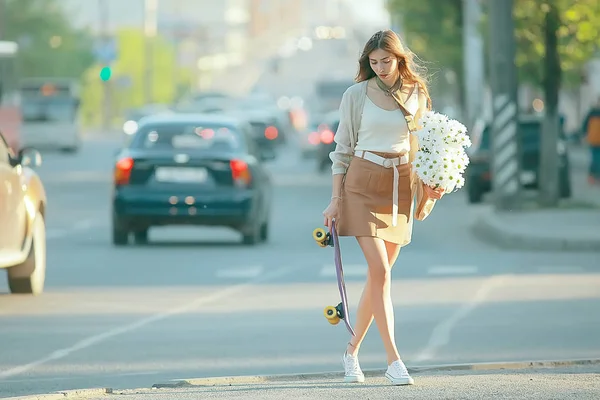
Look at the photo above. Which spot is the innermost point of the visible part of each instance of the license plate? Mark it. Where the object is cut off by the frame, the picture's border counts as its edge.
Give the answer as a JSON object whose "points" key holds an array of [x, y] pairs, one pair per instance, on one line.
{"points": [[527, 177], [181, 175]]}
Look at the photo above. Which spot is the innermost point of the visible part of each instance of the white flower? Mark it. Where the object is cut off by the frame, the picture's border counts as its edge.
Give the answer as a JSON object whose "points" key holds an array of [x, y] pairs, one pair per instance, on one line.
{"points": [[441, 159]]}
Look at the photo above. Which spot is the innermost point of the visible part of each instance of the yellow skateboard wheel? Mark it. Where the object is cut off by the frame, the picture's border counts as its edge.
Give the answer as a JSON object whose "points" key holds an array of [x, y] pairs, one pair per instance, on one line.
{"points": [[332, 315], [319, 234]]}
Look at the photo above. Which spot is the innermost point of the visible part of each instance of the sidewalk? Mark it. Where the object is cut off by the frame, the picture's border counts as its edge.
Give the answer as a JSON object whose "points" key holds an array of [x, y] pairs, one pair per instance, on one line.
{"points": [[553, 230], [574, 226], [563, 381]]}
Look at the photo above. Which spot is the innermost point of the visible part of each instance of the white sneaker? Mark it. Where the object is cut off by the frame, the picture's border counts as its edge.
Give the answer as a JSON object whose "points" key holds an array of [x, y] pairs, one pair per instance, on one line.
{"points": [[352, 371], [398, 374]]}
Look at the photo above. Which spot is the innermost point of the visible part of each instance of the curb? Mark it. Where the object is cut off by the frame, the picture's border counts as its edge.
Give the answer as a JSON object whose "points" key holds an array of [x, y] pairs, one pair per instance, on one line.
{"points": [[249, 379], [65, 394], [488, 228]]}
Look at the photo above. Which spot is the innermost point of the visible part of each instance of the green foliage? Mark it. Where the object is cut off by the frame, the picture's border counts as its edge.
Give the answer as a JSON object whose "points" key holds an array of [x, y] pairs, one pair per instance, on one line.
{"points": [[434, 31], [578, 37], [49, 45], [130, 67]]}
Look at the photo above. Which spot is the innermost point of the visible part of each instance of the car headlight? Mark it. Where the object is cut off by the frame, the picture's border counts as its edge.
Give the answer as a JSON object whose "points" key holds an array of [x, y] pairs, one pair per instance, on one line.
{"points": [[130, 127]]}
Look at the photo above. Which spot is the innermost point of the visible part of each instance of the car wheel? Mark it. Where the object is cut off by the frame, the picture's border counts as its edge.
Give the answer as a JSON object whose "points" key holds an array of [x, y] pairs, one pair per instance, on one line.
{"points": [[565, 184], [30, 276], [141, 237], [475, 195], [264, 232], [69, 150], [120, 235], [253, 235]]}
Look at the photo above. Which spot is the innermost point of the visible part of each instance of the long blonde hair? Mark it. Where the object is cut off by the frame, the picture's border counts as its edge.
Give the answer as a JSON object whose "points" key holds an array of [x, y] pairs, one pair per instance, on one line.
{"points": [[409, 70]]}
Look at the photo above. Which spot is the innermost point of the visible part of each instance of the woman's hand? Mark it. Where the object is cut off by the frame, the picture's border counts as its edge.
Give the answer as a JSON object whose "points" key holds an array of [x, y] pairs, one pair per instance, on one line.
{"points": [[331, 212], [432, 193]]}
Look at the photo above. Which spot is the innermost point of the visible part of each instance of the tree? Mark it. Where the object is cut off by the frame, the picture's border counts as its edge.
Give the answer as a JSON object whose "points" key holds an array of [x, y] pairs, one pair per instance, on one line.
{"points": [[552, 76], [434, 29], [128, 78], [49, 45], [578, 37]]}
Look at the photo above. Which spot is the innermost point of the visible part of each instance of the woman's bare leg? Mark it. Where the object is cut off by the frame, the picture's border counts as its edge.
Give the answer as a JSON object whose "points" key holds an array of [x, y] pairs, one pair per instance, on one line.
{"points": [[377, 296], [392, 250], [364, 312]]}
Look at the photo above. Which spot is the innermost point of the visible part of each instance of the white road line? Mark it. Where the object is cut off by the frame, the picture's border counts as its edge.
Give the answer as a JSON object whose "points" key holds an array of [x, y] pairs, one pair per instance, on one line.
{"points": [[440, 335], [239, 272], [328, 270], [452, 270], [187, 306]]}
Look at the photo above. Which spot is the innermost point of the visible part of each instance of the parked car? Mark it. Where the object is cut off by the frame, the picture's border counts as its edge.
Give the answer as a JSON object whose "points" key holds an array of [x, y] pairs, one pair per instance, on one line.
{"points": [[478, 180], [191, 169], [22, 213]]}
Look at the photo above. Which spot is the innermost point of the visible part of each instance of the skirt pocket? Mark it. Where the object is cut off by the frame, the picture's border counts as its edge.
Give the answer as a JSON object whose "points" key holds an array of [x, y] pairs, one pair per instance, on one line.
{"points": [[357, 177]]}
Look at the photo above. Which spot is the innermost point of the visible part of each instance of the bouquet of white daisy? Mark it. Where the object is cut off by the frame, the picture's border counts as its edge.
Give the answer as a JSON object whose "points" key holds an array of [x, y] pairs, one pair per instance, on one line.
{"points": [[441, 159]]}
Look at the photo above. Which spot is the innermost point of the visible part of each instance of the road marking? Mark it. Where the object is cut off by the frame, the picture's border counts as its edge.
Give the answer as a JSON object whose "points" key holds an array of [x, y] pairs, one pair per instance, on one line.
{"points": [[452, 270], [328, 270], [440, 335], [187, 306], [239, 272]]}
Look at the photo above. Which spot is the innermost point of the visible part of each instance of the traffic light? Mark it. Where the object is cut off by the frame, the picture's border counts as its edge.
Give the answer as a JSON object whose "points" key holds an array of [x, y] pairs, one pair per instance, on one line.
{"points": [[105, 73]]}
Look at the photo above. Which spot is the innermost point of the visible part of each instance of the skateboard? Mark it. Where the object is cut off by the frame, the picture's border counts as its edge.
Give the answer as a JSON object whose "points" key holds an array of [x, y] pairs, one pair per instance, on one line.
{"points": [[339, 312]]}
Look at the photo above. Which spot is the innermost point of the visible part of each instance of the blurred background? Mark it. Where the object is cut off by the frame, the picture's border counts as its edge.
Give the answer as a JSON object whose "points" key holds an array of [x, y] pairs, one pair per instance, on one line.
{"points": [[178, 155]]}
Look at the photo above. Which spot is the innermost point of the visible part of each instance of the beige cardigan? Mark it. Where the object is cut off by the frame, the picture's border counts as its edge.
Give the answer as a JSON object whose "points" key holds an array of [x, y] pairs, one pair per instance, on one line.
{"points": [[346, 137]]}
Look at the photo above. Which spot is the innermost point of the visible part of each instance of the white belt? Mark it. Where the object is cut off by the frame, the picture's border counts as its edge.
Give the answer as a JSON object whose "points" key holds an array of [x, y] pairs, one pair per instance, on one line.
{"points": [[387, 163]]}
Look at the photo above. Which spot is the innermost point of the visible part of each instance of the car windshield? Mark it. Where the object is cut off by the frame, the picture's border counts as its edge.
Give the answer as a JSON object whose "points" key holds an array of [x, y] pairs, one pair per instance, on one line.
{"points": [[40, 109], [188, 136]]}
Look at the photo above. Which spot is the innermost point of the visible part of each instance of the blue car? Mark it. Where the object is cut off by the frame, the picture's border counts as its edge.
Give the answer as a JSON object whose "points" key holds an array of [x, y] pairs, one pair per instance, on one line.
{"points": [[191, 169]]}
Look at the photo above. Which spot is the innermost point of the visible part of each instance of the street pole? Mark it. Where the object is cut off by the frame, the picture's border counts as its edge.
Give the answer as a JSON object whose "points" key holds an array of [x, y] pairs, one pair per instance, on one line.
{"points": [[473, 61], [506, 146], [106, 92], [548, 169], [150, 30]]}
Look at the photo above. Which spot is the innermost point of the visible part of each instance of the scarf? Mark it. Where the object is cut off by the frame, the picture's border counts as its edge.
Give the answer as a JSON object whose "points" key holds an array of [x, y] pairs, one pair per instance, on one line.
{"points": [[395, 92]]}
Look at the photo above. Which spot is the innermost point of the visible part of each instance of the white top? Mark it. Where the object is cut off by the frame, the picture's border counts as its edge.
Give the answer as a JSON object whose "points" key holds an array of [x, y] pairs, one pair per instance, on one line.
{"points": [[385, 130]]}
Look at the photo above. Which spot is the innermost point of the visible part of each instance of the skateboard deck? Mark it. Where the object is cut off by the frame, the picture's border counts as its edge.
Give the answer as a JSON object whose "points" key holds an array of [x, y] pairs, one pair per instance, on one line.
{"points": [[339, 312]]}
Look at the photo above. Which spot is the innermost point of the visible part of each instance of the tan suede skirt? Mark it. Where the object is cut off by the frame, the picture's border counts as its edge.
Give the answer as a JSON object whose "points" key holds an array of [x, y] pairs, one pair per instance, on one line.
{"points": [[366, 207]]}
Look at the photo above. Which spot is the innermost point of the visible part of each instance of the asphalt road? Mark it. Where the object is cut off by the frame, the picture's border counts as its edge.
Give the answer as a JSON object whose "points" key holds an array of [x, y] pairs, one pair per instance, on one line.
{"points": [[197, 303]]}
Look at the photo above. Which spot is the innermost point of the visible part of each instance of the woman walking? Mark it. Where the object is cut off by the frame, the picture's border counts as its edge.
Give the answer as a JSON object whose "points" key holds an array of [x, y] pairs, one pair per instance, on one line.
{"points": [[374, 186]]}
